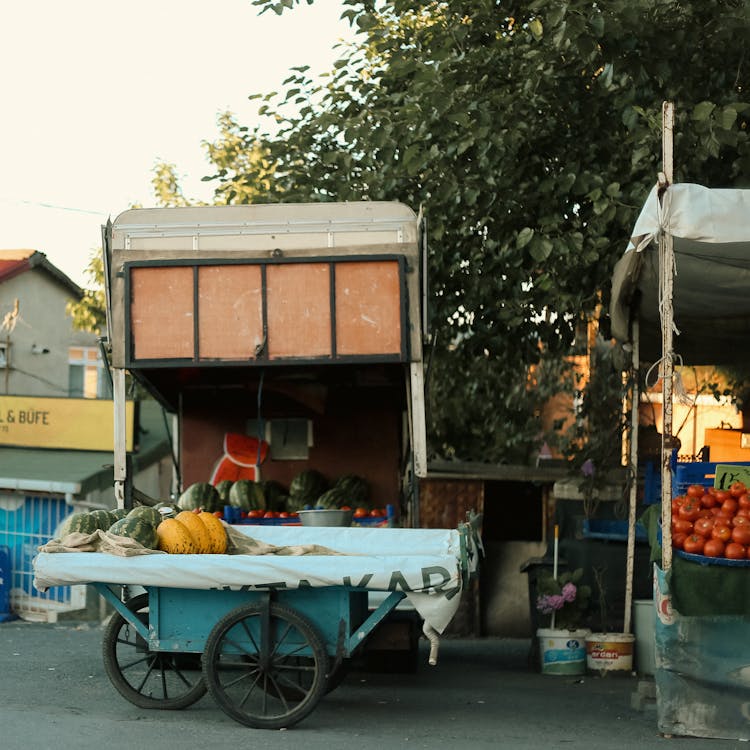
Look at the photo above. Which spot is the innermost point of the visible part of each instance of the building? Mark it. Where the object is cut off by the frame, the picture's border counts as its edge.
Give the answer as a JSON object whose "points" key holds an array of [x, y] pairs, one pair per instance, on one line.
{"points": [[40, 352], [56, 431]]}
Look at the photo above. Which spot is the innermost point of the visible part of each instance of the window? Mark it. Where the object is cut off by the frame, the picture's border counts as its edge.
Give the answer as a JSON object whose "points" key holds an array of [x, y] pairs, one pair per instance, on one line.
{"points": [[4, 355], [86, 376]]}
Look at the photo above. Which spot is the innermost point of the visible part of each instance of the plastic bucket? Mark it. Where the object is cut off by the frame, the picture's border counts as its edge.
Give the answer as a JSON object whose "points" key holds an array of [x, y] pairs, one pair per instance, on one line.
{"points": [[562, 651], [644, 623], [609, 652]]}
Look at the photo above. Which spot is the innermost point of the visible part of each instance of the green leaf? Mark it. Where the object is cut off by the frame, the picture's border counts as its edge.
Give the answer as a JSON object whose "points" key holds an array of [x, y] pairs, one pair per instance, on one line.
{"points": [[536, 29], [524, 237], [728, 117], [702, 111]]}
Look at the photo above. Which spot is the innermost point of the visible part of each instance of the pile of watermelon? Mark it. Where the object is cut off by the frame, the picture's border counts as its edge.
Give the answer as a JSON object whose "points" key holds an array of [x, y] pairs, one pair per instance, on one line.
{"points": [[138, 524], [268, 499]]}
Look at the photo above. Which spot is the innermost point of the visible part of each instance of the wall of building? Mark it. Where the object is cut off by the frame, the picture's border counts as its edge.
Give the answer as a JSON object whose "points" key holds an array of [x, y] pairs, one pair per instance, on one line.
{"points": [[41, 336]]}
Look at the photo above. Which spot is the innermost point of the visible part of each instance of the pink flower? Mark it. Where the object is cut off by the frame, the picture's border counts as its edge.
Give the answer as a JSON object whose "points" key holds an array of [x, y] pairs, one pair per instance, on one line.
{"points": [[569, 592]]}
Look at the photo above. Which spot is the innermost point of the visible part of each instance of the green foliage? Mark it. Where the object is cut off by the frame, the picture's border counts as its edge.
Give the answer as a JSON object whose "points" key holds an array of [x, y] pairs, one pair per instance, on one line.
{"points": [[529, 134], [89, 313]]}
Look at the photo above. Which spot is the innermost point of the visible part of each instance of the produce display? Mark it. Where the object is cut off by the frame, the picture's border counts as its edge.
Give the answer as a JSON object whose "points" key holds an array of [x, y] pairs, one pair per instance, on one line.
{"points": [[712, 522], [170, 530], [268, 500]]}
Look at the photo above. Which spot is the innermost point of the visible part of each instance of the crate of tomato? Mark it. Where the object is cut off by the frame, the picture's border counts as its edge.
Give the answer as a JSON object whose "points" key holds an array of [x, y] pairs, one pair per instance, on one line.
{"points": [[711, 525]]}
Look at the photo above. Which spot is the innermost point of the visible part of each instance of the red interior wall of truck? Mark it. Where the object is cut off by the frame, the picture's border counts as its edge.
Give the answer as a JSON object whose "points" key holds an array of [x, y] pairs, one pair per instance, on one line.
{"points": [[354, 435]]}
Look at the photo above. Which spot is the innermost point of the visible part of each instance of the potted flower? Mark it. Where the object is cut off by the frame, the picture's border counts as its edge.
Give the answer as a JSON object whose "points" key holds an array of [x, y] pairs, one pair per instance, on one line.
{"points": [[565, 600]]}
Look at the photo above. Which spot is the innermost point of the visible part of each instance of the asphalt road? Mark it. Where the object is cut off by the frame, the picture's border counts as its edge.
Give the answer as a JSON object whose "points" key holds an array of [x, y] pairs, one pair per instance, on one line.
{"points": [[481, 694]]}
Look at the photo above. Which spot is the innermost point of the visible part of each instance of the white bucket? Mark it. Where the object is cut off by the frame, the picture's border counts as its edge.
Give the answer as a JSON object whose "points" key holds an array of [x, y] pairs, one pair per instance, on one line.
{"points": [[644, 623], [562, 651], [609, 652]]}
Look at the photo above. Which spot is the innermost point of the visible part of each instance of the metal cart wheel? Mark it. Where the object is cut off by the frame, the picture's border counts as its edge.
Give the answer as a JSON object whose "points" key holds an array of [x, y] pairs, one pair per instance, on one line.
{"points": [[265, 665], [149, 679]]}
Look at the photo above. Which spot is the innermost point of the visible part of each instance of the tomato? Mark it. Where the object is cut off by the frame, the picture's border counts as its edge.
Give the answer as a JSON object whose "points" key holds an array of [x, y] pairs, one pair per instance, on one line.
{"points": [[678, 540], [359, 512], [739, 520], [694, 544], [713, 548], [703, 526], [743, 512], [743, 501], [255, 514], [680, 526], [218, 514], [741, 535], [735, 551], [705, 513], [695, 490], [715, 510], [269, 514], [722, 532], [345, 507], [689, 511], [721, 495], [377, 512], [724, 518], [283, 514], [737, 488], [708, 500], [729, 506]]}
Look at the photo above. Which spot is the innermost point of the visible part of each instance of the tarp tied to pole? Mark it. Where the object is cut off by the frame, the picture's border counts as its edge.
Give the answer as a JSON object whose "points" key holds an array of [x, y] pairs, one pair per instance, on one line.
{"points": [[711, 232]]}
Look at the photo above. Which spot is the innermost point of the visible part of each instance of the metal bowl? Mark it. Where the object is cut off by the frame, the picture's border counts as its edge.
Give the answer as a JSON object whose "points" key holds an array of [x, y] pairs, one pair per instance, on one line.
{"points": [[325, 517]]}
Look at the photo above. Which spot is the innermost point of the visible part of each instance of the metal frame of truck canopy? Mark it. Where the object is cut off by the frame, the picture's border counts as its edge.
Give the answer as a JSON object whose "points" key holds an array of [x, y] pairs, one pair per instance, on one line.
{"points": [[170, 278]]}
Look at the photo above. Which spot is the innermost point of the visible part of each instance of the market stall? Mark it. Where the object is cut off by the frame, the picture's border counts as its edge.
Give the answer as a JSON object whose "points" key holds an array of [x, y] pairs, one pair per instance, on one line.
{"points": [[680, 296]]}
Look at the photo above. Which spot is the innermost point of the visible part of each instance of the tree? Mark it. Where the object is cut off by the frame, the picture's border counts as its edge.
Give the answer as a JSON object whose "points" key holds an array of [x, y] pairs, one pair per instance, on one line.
{"points": [[89, 313], [529, 133]]}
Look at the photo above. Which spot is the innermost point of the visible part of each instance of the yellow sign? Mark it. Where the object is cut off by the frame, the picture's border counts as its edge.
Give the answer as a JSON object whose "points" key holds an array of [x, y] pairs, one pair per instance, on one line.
{"points": [[83, 424]]}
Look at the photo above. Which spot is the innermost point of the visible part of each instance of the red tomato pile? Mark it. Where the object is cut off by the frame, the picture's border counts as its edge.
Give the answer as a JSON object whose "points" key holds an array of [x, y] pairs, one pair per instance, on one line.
{"points": [[712, 522]]}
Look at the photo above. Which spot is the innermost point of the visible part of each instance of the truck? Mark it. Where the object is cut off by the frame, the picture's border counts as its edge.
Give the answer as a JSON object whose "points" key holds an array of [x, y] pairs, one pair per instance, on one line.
{"points": [[299, 327]]}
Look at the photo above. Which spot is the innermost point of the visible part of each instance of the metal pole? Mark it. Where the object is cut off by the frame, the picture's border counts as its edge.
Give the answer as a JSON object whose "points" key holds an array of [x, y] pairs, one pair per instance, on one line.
{"points": [[666, 291], [633, 474]]}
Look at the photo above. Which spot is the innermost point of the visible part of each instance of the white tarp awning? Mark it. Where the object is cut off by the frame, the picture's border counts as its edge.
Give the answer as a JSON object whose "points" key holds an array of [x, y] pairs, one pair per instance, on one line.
{"points": [[711, 299]]}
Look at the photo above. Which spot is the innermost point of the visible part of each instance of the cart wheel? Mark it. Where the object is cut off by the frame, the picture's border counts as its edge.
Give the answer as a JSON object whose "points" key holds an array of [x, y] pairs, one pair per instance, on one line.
{"points": [[149, 679], [265, 665]]}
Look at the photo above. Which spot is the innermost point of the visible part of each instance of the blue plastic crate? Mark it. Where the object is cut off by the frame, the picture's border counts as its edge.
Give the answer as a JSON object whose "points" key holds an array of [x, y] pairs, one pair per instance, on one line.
{"points": [[612, 530], [697, 472]]}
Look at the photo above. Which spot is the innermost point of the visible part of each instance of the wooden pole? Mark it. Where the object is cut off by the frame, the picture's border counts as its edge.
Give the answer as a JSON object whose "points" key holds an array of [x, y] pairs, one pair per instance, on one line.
{"points": [[666, 291]]}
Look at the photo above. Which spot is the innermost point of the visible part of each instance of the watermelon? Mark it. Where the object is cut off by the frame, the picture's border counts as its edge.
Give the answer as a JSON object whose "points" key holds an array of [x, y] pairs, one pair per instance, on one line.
{"points": [[355, 488], [145, 512], [332, 499], [81, 522], [102, 518], [247, 495], [223, 488], [307, 487], [275, 495], [138, 529], [118, 513], [200, 495]]}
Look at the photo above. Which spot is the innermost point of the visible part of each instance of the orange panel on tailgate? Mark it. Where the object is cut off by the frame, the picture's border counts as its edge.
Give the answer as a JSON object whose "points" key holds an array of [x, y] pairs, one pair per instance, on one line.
{"points": [[161, 312], [298, 310], [368, 308], [230, 311]]}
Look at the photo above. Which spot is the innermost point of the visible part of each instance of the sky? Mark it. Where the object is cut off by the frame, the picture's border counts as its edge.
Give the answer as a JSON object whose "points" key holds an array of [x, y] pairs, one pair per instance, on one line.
{"points": [[95, 92]]}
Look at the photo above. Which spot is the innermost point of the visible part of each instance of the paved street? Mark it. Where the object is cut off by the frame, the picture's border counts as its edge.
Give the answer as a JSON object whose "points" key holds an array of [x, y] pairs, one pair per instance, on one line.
{"points": [[482, 694]]}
